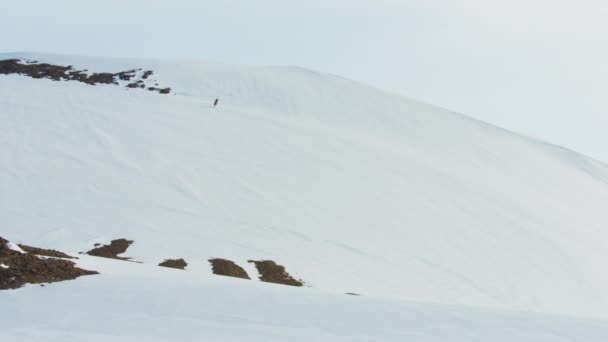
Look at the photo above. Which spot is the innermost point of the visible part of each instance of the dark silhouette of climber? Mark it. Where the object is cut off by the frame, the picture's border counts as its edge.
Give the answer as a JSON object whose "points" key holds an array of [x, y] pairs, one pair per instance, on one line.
{"points": [[215, 102]]}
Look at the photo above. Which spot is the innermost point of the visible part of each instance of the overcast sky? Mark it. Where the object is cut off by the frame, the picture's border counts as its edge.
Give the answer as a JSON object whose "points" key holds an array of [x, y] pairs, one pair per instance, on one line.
{"points": [[538, 67]]}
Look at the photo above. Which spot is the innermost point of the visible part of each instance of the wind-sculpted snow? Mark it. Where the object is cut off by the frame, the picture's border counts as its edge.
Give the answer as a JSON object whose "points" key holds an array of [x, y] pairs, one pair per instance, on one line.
{"points": [[350, 188]]}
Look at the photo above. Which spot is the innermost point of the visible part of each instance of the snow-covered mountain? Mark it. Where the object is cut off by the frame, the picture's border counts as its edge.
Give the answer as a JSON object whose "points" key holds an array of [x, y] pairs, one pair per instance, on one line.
{"points": [[353, 189]]}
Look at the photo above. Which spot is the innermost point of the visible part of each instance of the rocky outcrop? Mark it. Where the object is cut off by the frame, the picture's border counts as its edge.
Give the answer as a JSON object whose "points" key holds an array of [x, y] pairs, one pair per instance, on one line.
{"points": [[112, 250], [45, 252], [68, 73], [19, 268], [272, 272], [174, 263], [7, 248], [228, 268]]}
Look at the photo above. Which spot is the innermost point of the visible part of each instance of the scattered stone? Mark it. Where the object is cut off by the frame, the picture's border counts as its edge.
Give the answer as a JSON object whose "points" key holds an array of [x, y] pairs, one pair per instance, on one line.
{"points": [[271, 272], [174, 263], [112, 250], [147, 74], [228, 268], [352, 294], [45, 252]]}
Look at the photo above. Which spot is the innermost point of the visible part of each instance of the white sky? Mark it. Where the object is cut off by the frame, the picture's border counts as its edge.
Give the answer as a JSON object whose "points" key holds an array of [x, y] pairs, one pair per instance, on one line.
{"points": [[538, 66]]}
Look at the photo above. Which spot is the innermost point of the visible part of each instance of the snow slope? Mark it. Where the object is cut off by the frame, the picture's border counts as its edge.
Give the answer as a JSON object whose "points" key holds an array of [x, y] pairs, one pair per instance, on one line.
{"points": [[351, 188], [132, 302]]}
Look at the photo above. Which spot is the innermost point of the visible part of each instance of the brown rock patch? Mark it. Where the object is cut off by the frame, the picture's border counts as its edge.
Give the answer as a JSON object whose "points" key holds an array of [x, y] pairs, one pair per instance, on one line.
{"points": [[228, 268], [17, 269], [136, 84], [112, 250], [271, 272], [4, 250], [30, 269], [68, 73], [53, 72], [46, 252], [126, 75], [160, 90], [174, 263]]}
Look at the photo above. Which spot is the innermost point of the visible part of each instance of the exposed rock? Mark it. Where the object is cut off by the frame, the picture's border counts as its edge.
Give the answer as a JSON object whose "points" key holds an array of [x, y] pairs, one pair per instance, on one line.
{"points": [[136, 84], [126, 75], [271, 272], [174, 263], [68, 73], [160, 90], [103, 78], [7, 248], [19, 268], [53, 72], [112, 250], [228, 268], [45, 252]]}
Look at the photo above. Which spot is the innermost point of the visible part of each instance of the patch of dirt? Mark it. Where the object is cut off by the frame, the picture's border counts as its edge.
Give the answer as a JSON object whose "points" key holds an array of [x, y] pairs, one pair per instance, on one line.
{"points": [[174, 263], [228, 268], [68, 73], [112, 250], [271, 272], [45, 252], [19, 269]]}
